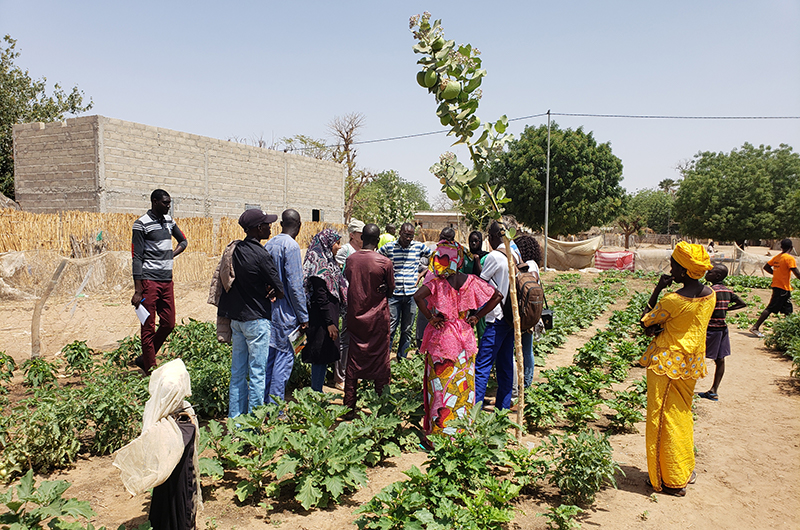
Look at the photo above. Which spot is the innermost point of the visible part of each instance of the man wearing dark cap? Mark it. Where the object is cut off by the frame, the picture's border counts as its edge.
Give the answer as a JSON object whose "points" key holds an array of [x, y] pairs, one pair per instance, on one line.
{"points": [[151, 246], [248, 305]]}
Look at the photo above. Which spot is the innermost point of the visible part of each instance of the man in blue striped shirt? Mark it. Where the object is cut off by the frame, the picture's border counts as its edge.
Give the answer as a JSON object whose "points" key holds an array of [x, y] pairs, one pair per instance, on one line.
{"points": [[405, 254], [151, 245]]}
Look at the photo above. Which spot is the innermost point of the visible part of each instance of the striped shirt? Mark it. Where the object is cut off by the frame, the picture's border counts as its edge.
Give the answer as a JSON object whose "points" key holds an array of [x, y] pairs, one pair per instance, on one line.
{"points": [[724, 298], [405, 261], [151, 246]]}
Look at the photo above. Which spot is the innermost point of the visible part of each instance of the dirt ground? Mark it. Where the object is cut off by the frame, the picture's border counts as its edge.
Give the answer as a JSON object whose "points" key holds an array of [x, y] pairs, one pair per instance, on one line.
{"points": [[748, 443]]}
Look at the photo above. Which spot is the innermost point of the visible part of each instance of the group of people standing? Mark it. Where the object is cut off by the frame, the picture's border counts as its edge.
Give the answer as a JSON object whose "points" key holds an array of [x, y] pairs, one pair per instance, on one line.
{"points": [[350, 300]]}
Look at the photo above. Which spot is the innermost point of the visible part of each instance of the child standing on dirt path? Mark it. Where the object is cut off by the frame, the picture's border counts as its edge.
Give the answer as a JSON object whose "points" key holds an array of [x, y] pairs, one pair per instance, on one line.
{"points": [[718, 344], [781, 302]]}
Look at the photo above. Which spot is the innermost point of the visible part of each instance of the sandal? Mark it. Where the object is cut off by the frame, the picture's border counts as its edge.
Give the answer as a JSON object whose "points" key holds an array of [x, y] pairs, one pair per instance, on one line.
{"points": [[709, 395], [675, 492], [693, 478]]}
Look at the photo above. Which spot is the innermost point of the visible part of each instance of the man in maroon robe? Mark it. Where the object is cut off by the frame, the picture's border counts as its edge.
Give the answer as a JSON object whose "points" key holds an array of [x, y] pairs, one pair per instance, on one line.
{"points": [[371, 280]]}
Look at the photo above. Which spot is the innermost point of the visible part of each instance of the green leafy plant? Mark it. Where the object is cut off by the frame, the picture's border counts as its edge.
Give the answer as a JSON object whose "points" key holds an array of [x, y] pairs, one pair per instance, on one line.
{"points": [[7, 367], [39, 372], [627, 406], [129, 348], [562, 517], [458, 489], [112, 403], [29, 506], [529, 468], [542, 409], [42, 432], [581, 465], [78, 356]]}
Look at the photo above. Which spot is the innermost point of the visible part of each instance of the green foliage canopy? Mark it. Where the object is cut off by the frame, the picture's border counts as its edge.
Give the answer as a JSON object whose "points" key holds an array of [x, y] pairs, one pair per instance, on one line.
{"points": [[655, 209], [749, 193], [23, 100], [585, 177], [389, 198]]}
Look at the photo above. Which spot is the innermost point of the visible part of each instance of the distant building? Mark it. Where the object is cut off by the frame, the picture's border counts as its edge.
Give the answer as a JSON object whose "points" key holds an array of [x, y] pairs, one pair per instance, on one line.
{"points": [[99, 164], [439, 220]]}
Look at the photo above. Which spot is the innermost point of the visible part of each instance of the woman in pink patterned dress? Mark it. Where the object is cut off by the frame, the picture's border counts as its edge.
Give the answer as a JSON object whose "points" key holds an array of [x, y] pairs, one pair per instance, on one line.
{"points": [[452, 302]]}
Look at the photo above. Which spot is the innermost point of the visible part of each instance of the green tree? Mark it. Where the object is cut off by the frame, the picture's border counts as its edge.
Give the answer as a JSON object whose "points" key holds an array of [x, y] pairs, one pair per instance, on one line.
{"points": [[656, 209], [585, 177], [23, 100], [748, 193], [389, 198]]}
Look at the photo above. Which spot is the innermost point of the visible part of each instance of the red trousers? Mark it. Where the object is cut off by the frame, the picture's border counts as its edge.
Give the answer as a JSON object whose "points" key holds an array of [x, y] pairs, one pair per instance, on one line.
{"points": [[158, 299]]}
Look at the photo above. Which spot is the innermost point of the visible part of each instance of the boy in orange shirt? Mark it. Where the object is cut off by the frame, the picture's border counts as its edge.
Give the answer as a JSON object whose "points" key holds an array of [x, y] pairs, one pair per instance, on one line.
{"points": [[781, 301]]}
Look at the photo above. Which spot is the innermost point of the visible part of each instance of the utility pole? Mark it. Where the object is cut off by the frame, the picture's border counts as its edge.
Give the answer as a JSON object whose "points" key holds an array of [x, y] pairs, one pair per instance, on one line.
{"points": [[547, 193]]}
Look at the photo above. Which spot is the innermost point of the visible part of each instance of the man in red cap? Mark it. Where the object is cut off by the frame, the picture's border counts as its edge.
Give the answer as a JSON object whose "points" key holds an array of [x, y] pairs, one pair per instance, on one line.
{"points": [[248, 305]]}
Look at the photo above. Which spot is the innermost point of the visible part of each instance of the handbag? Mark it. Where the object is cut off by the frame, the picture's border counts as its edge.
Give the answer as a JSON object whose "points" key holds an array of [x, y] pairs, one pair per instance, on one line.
{"points": [[547, 315]]}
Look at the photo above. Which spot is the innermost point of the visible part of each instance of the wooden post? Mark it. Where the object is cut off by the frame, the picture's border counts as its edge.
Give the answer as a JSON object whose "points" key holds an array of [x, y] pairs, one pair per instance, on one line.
{"points": [[512, 292], [36, 341]]}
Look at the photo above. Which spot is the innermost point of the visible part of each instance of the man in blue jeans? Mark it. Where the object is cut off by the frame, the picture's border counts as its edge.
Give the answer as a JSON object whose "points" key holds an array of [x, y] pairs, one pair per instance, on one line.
{"points": [[497, 343], [248, 305], [405, 254]]}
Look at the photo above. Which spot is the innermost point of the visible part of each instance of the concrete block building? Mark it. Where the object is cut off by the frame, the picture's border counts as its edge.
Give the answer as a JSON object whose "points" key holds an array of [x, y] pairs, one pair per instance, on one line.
{"points": [[99, 164]]}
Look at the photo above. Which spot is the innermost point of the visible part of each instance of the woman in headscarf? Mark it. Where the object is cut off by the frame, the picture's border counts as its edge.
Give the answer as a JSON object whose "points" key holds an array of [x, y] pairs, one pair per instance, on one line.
{"points": [[675, 360], [452, 302], [326, 290]]}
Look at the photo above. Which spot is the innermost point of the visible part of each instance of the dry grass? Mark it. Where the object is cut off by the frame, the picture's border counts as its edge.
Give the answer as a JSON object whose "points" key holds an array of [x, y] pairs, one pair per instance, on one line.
{"points": [[84, 233]]}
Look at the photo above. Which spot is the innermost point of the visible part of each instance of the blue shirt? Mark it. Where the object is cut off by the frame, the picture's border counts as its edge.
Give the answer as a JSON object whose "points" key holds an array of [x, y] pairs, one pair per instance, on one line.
{"points": [[405, 261], [289, 311]]}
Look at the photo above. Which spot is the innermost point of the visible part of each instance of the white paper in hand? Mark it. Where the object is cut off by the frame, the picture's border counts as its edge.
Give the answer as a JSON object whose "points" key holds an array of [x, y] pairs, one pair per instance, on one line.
{"points": [[142, 313]]}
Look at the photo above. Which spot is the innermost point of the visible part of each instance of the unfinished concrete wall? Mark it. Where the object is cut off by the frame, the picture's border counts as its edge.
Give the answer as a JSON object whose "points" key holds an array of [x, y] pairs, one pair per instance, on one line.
{"points": [[55, 165], [122, 162]]}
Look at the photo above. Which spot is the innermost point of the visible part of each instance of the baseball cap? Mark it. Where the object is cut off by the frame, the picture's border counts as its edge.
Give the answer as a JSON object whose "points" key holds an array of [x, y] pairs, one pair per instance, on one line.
{"points": [[254, 217]]}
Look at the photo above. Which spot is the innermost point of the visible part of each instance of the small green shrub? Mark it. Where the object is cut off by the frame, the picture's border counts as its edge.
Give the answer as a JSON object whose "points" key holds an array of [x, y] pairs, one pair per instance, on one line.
{"points": [[581, 465], [39, 372], [129, 348], [78, 356], [562, 517], [7, 367]]}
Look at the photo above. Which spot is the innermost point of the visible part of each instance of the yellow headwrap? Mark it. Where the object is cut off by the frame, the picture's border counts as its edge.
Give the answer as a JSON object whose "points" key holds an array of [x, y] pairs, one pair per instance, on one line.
{"points": [[693, 258]]}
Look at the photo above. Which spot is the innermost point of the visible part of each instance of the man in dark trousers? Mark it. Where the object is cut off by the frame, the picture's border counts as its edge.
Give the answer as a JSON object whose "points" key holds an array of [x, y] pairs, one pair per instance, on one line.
{"points": [[151, 245], [248, 305]]}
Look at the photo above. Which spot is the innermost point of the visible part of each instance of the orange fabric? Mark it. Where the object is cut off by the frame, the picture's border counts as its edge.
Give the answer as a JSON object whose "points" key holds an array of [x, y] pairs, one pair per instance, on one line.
{"points": [[782, 266]]}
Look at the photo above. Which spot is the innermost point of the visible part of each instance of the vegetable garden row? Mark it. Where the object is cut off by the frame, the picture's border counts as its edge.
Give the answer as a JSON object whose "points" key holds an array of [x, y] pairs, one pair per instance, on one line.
{"points": [[302, 449]]}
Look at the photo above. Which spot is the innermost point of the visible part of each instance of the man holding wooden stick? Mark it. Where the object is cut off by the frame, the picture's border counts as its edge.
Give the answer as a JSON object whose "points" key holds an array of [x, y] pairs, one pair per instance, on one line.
{"points": [[151, 246]]}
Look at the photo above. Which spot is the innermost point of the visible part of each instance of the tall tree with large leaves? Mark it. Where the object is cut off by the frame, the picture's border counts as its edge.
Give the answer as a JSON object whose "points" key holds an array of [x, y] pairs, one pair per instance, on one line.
{"points": [[24, 99], [749, 193], [585, 177]]}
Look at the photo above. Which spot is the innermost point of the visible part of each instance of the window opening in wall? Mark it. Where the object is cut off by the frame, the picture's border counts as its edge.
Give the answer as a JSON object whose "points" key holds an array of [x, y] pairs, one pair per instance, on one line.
{"points": [[316, 215]]}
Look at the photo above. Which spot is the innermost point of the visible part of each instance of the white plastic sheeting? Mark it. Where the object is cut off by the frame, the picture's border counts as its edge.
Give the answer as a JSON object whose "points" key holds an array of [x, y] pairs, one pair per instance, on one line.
{"points": [[149, 460]]}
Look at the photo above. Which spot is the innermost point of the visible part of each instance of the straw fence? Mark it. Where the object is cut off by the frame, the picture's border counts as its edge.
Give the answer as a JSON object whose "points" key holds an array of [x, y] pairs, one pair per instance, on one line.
{"points": [[82, 234]]}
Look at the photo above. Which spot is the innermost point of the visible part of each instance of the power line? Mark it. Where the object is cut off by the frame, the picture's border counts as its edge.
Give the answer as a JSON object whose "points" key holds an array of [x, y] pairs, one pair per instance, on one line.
{"points": [[655, 117], [577, 115]]}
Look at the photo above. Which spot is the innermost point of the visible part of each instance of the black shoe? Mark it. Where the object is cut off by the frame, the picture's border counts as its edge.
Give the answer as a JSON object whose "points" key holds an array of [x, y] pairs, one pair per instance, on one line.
{"points": [[140, 363]]}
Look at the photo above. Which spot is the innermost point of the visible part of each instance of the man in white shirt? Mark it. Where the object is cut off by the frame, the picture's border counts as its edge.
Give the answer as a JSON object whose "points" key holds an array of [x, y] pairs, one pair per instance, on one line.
{"points": [[497, 343]]}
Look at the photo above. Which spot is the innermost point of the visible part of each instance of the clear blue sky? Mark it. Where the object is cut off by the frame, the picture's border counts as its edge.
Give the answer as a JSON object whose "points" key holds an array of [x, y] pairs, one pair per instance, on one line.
{"points": [[276, 69]]}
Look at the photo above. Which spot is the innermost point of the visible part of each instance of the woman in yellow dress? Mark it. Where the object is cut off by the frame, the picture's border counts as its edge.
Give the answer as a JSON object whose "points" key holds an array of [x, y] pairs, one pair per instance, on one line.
{"points": [[675, 360]]}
